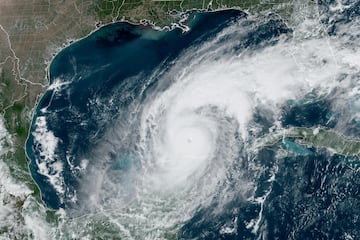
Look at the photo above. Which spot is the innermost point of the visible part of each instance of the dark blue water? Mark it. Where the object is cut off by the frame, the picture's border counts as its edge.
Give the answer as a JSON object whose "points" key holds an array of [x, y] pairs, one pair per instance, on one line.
{"points": [[314, 196], [112, 64]]}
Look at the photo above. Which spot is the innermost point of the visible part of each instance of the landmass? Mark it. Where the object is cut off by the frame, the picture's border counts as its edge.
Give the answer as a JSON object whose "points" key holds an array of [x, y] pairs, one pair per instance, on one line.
{"points": [[318, 138], [32, 33]]}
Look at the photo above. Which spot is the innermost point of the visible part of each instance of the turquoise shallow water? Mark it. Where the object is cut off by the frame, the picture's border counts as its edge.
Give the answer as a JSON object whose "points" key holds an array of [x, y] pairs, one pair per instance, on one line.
{"points": [[295, 148]]}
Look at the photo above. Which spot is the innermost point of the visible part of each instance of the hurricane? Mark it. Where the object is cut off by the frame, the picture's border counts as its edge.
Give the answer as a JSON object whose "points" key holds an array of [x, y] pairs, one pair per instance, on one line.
{"points": [[231, 128]]}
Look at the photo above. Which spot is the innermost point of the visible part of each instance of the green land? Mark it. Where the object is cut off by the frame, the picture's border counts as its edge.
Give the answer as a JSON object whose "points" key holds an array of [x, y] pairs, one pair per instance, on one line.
{"points": [[318, 138]]}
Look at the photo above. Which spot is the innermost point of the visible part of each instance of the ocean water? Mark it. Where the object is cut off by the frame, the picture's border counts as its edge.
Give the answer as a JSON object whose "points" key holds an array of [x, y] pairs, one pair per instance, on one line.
{"points": [[93, 83], [152, 131]]}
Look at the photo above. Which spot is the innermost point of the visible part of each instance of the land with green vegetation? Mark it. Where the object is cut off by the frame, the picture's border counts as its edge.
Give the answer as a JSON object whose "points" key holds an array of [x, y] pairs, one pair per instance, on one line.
{"points": [[33, 32], [162, 12], [318, 138]]}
